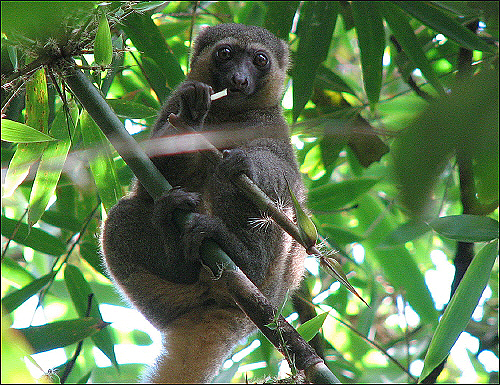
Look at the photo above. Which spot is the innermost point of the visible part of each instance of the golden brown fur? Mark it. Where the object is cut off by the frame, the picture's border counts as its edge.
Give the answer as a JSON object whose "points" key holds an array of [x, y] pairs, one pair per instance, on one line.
{"points": [[154, 263]]}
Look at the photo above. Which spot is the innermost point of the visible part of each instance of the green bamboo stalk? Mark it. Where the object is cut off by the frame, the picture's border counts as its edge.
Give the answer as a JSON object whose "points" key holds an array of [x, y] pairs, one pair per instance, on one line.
{"points": [[140, 164], [130, 151]]}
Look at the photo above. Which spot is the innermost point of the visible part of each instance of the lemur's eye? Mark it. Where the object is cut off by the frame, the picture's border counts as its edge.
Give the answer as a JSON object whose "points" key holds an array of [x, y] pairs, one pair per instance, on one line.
{"points": [[260, 60], [224, 53]]}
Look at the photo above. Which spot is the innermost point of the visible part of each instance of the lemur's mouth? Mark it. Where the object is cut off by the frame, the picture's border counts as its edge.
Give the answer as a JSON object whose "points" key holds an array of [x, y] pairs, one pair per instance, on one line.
{"points": [[238, 92]]}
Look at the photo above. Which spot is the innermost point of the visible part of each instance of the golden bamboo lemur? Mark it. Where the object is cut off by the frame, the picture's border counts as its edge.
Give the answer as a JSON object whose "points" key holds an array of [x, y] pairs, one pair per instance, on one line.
{"points": [[155, 264]]}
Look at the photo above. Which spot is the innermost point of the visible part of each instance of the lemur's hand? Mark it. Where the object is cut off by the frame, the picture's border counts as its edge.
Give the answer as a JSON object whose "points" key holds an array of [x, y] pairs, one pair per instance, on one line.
{"points": [[194, 104]]}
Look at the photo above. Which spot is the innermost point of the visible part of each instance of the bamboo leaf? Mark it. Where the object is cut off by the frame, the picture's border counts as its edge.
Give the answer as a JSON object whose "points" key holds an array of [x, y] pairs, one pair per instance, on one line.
{"points": [[315, 30], [62, 219], [310, 328], [16, 132], [399, 267], [460, 308], [37, 105], [14, 349], [102, 164], [103, 48], [431, 15], [131, 110], [406, 232], [148, 40], [25, 156], [332, 196], [279, 17], [14, 272], [80, 290], [466, 228], [371, 40], [307, 230], [339, 234], [465, 119], [13, 300], [403, 32], [61, 333], [332, 267], [51, 164], [33, 237], [37, 112]]}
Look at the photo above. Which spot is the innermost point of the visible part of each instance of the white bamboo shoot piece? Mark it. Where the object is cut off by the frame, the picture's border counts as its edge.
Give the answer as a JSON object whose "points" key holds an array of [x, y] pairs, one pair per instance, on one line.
{"points": [[219, 94]]}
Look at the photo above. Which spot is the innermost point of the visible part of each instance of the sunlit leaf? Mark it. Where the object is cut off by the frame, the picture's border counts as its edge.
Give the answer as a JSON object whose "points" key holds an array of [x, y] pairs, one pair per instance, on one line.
{"points": [[25, 156], [80, 291], [101, 163], [310, 328], [14, 349], [15, 273], [35, 238], [37, 105], [13, 300], [103, 48], [466, 228], [21, 133], [460, 309], [51, 163], [61, 333], [37, 112]]}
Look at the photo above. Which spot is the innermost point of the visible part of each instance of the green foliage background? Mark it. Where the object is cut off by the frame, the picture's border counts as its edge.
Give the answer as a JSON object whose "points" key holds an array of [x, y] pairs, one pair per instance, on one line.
{"points": [[385, 152]]}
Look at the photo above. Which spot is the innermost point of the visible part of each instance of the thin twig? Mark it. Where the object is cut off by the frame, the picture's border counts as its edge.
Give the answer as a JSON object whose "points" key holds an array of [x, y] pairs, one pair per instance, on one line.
{"points": [[71, 363]]}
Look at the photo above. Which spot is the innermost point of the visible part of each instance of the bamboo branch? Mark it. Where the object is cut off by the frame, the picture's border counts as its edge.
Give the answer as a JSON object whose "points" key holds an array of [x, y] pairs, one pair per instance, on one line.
{"points": [[248, 186]]}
